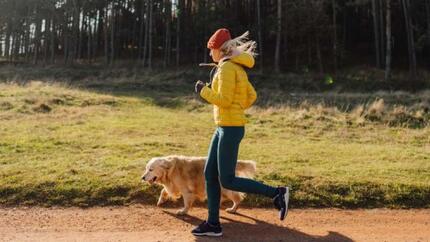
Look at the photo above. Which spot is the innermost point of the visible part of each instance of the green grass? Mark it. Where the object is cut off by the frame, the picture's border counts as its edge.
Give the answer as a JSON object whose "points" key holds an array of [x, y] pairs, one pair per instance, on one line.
{"points": [[61, 145]]}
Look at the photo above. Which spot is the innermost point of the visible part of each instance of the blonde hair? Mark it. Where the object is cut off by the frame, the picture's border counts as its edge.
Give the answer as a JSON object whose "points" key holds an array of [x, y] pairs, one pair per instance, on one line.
{"points": [[239, 44]]}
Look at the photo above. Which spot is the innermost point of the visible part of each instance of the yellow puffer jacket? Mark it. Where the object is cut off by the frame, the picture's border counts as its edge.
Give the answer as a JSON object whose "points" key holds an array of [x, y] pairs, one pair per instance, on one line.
{"points": [[231, 92]]}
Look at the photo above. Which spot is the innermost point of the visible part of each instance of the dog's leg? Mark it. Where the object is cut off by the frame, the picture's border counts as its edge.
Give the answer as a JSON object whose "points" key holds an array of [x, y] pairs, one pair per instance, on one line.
{"points": [[188, 202], [235, 197], [164, 196]]}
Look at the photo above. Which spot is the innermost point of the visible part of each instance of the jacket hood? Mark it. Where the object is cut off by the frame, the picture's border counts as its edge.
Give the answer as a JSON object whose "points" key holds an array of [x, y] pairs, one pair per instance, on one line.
{"points": [[244, 59]]}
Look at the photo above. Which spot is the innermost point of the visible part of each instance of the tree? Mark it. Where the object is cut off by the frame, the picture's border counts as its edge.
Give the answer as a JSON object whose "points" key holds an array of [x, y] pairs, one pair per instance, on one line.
{"points": [[427, 2], [388, 32], [89, 37], [411, 41], [168, 37], [53, 37], [37, 36], [143, 31], [151, 5], [106, 35], [146, 36], [278, 36], [112, 31], [1, 42], [333, 4], [260, 37], [376, 32], [381, 30], [179, 17]]}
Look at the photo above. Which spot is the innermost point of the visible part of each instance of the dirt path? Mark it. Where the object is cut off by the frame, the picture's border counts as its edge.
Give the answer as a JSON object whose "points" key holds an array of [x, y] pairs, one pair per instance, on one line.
{"points": [[148, 223]]}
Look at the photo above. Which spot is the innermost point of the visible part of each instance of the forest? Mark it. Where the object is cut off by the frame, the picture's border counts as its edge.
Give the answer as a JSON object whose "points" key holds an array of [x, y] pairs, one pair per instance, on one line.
{"points": [[322, 36]]}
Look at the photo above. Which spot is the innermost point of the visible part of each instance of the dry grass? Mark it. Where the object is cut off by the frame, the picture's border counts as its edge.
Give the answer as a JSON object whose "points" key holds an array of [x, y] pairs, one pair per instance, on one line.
{"points": [[73, 146]]}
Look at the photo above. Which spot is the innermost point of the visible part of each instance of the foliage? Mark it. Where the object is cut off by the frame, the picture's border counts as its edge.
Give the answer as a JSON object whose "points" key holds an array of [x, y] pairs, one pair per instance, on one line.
{"points": [[70, 31]]}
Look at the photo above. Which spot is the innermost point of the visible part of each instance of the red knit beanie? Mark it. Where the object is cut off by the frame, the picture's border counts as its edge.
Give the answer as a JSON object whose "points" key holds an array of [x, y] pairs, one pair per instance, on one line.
{"points": [[219, 38]]}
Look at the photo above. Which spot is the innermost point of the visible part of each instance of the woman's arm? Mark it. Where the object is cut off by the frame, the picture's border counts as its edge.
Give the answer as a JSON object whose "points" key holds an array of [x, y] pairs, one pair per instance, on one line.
{"points": [[251, 96], [225, 93]]}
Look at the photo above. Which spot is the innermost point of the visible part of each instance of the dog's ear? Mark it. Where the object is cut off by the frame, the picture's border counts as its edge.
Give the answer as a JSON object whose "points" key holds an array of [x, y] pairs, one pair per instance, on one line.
{"points": [[166, 164]]}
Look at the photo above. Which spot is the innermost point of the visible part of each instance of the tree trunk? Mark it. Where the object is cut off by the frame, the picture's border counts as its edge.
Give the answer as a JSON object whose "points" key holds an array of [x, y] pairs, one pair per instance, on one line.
{"points": [[7, 40], [89, 38], [375, 12], [428, 21], [333, 3], [187, 25], [98, 32], [27, 40], [1, 43], [46, 43], [411, 41], [309, 53], [168, 13], [80, 32], [344, 35], [319, 55], [112, 33], [52, 42], [388, 37], [75, 31], [119, 40], [286, 47], [134, 32], [146, 37], [65, 39], [178, 31], [14, 45], [260, 37], [150, 34], [278, 36], [106, 34], [37, 37], [428, 29], [204, 9], [141, 30], [381, 30], [20, 46]]}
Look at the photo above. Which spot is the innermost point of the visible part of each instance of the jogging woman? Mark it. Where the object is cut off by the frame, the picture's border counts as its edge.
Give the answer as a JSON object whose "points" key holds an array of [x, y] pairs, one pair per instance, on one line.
{"points": [[231, 93]]}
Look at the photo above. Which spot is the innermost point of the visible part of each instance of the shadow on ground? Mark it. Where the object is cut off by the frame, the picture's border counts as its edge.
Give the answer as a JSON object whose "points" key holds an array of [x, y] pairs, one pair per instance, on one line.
{"points": [[258, 230]]}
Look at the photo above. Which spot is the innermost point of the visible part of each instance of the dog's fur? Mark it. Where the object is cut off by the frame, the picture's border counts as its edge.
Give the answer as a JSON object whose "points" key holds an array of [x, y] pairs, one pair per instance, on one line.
{"points": [[184, 176]]}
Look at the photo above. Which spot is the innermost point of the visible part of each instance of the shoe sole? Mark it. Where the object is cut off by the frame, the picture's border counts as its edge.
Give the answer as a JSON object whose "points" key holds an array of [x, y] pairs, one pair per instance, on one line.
{"points": [[286, 199], [211, 234]]}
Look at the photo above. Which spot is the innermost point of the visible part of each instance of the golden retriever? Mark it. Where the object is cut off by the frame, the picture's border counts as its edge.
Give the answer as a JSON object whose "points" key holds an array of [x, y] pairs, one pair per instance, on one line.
{"points": [[184, 176]]}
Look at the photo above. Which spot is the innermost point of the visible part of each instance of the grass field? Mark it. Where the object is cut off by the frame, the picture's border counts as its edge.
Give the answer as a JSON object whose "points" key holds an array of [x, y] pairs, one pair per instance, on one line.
{"points": [[62, 145]]}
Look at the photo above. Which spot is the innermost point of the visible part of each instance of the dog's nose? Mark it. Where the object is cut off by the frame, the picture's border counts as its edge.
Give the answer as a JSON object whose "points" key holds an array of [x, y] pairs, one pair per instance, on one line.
{"points": [[143, 177]]}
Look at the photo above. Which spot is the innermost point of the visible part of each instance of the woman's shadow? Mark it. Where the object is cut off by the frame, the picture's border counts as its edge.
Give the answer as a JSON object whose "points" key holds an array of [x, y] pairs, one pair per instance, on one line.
{"points": [[235, 230]]}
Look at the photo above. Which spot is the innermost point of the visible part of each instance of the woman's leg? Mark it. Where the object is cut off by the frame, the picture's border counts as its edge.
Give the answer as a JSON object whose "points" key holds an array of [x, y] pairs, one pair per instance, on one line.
{"points": [[213, 189], [228, 149]]}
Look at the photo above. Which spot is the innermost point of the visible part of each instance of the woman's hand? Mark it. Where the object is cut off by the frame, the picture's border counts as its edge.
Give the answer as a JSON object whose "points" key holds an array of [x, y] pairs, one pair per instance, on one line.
{"points": [[199, 86]]}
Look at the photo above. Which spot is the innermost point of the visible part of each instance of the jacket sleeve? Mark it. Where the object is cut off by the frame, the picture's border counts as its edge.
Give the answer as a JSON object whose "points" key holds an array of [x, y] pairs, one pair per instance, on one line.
{"points": [[223, 97], [251, 96]]}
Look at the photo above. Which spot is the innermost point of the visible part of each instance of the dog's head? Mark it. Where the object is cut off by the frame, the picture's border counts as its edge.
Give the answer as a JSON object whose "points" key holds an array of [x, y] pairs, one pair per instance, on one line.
{"points": [[156, 169]]}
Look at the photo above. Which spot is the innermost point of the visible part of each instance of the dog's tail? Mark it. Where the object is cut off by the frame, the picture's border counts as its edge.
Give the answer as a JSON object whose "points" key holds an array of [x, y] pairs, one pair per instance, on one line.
{"points": [[246, 168]]}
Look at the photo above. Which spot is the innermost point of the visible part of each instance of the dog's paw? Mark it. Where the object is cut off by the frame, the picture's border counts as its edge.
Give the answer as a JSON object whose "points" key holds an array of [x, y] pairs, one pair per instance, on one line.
{"points": [[230, 210], [182, 212]]}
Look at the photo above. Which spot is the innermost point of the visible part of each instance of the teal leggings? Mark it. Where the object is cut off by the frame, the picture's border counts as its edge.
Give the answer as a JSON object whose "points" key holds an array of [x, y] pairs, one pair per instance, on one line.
{"points": [[220, 168]]}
